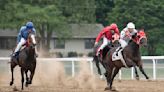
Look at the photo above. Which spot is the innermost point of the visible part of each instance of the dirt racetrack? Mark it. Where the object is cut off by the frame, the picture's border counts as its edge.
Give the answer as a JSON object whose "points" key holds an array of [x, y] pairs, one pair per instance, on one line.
{"points": [[51, 77]]}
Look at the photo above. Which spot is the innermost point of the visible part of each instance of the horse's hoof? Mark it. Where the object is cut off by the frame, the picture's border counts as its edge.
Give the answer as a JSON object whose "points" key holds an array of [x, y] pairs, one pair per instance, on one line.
{"points": [[29, 82], [137, 78], [15, 88], [11, 83], [149, 80], [107, 88], [101, 77], [26, 84]]}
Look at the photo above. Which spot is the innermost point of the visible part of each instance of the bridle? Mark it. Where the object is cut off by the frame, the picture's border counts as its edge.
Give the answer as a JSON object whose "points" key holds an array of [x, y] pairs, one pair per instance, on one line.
{"points": [[140, 35]]}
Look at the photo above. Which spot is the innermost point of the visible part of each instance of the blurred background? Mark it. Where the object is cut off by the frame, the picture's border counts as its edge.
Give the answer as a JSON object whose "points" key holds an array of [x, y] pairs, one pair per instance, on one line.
{"points": [[67, 28]]}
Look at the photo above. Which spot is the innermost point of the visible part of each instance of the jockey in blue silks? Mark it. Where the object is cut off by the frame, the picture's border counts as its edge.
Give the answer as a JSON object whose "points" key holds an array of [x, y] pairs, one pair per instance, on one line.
{"points": [[23, 36]]}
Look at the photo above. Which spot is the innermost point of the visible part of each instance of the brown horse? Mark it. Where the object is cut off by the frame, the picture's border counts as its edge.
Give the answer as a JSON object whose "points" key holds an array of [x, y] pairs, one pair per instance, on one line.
{"points": [[100, 58], [131, 55], [26, 60]]}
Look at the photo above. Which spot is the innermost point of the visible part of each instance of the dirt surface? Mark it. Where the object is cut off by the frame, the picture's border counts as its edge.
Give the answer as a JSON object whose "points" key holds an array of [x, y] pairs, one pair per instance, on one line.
{"points": [[51, 77]]}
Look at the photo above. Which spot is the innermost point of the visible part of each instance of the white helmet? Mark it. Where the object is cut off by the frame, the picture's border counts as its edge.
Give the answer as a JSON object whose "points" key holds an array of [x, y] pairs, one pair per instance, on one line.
{"points": [[130, 25]]}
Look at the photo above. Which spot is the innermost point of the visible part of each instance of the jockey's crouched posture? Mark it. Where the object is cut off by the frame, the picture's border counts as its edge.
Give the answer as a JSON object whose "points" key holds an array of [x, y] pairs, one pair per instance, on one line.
{"points": [[23, 36], [107, 32], [126, 35]]}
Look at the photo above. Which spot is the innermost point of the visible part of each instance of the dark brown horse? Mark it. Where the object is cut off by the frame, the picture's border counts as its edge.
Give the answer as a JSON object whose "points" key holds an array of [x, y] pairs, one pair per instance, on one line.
{"points": [[26, 60], [100, 58], [131, 55]]}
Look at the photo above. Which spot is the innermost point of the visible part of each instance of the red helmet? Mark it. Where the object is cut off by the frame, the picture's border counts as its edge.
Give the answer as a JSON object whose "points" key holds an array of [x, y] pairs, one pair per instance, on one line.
{"points": [[113, 26]]}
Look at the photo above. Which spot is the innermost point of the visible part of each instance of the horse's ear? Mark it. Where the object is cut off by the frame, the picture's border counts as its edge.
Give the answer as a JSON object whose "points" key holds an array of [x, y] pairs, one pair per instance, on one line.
{"points": [[142, 30]]}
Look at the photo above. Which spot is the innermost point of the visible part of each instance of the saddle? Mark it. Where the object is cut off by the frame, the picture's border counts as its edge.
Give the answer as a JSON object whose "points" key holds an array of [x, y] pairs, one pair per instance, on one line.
{"points": [[23, 47]]}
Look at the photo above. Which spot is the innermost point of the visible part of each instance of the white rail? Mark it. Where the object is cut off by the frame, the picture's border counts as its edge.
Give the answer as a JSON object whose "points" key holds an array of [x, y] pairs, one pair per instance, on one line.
{"points": [[73, 60]]}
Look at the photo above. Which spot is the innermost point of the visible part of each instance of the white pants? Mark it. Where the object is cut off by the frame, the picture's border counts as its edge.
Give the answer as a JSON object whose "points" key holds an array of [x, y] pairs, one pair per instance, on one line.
{"points": [[104, 44], [19, 45], [123, 43]]}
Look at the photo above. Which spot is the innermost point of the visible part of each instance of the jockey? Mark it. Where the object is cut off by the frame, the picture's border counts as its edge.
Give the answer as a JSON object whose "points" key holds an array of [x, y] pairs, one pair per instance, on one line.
{"points": [[107, 32], [126, 35], [23, 36]]}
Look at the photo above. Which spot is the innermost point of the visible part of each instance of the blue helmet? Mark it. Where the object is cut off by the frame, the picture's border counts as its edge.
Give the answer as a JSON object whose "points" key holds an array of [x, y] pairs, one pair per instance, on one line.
{"points": [[29, 25]]}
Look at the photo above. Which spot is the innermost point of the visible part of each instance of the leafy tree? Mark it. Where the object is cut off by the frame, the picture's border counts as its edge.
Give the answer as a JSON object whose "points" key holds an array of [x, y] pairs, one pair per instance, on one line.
{"points": [[103, 7], [78, 11]]}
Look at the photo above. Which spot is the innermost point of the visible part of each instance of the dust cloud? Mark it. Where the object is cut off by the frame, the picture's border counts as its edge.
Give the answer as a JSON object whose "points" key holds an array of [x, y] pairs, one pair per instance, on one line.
{"points": [[52, 74]]}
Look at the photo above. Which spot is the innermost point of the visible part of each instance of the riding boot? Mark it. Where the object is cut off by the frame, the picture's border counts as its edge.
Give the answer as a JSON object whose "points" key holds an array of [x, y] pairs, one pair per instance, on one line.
{"points": [[15, 54], [118, 51]]}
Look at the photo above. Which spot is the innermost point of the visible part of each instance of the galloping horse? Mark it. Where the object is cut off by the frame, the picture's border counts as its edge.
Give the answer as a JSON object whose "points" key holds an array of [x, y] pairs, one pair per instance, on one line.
{"points": [[132, 58], [100, 58], [26, 60]]}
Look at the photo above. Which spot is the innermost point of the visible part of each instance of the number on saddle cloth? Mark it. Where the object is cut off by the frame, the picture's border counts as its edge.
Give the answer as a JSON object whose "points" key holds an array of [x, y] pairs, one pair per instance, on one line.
{"points": [[119, 56]]}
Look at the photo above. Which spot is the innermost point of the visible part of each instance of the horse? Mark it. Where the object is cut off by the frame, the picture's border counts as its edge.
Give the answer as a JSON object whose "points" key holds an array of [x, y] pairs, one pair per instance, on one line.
{"points": [[131, 55], [26, 60], [100, 58]]}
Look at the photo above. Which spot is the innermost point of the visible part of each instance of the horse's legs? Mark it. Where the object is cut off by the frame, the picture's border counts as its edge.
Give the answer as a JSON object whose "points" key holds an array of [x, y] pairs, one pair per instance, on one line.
{"points": [[143, 72], [135, 69], [114, 73], [108, 77], [130, 63], [12, 73], [32, 73], [97, 65], [108, 74], [27, 79], [31, 76], [22, 74]]}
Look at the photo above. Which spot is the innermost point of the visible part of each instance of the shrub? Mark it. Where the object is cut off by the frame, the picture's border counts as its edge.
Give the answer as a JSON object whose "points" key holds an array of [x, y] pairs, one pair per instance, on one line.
{"points": [[59, 54], [90, 54], [72, 54]]}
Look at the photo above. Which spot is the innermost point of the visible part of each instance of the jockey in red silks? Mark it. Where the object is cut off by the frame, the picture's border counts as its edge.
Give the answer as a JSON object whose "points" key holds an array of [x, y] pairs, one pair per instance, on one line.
{"points": [[107, 32]]}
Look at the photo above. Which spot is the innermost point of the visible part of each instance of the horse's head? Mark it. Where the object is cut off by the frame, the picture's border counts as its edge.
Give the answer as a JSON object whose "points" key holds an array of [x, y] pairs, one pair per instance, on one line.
{"points": [[115, 40], [31, 40], [141, 38]]}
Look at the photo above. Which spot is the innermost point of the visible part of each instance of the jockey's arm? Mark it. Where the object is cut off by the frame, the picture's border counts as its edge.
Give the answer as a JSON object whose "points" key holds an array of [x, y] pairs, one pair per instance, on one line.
{"points": [[18, 37], [117, 31], [122, 35], [134, 33], [20, 34], [99, 36]]}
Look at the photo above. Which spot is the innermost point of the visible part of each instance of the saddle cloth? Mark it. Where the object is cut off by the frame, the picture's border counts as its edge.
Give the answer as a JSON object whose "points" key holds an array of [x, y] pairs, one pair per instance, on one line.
{"points": [[119, 57]]}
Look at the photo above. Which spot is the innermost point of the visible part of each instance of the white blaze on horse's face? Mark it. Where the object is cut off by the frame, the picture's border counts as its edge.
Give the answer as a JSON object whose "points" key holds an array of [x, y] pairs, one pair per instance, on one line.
{"points": [[33, 38]]}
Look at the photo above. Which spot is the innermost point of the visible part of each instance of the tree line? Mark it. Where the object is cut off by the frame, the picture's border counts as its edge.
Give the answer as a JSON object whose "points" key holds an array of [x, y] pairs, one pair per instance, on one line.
{"points": [[55, 15]]}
